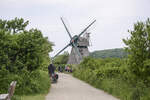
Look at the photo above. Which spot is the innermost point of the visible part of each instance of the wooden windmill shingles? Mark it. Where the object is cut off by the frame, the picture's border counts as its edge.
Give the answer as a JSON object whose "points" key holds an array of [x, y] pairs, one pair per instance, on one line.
{"points": [[83, 44]]}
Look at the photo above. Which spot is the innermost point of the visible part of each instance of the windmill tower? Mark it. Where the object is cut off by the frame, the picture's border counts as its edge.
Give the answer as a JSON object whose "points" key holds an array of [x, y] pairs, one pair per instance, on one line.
{"points": [[82, 45], [79, 45]]}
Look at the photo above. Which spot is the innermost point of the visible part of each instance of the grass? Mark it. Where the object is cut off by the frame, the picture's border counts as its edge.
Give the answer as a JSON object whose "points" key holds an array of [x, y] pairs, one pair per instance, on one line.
{"points": [[34, 97], [44, 82], [30, 97]]}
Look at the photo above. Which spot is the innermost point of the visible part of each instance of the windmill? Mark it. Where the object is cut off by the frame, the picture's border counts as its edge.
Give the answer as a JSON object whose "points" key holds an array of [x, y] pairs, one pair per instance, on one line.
{"points": [[79, 45]]}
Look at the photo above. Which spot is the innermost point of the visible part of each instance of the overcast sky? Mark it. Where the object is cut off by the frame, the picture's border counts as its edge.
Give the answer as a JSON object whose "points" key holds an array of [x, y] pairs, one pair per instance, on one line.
{"points": [[114, 18]]}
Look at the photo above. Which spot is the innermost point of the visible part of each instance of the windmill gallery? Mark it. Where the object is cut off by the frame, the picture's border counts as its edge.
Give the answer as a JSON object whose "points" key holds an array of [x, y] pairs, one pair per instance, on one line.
{"points": [[79, 45]]}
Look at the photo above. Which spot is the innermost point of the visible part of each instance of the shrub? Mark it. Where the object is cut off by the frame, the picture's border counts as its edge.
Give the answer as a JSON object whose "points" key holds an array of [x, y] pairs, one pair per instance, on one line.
{"points": [[114, 77], [22, 54], [139, 50]]}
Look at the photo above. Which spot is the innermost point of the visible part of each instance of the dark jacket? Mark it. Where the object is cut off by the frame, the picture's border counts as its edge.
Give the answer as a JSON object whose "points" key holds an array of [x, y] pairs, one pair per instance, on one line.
{"points": [[51, 69]]}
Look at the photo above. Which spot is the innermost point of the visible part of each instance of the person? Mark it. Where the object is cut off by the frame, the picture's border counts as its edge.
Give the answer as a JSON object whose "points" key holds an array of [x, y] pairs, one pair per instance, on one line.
{"points": [[68, 69], [65, 68], [60, 69], [51, 69], [52, 74]]}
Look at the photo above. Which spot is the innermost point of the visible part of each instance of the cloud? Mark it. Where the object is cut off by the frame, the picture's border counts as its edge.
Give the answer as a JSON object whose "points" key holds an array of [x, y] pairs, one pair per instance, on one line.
{"points": [[114, 18]]}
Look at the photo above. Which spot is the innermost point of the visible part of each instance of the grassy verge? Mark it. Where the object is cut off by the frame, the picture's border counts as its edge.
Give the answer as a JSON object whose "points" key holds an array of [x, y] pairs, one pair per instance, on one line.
{"points": [[30, 97], [44, 83], [116, 86], [34, 97], [113, 76]]}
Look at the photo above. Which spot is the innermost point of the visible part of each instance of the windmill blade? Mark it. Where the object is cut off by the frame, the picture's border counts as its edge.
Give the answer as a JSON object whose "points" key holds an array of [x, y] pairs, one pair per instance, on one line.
{"points": [[77, 51], [61, 50], [66, 28], [86, 28]]}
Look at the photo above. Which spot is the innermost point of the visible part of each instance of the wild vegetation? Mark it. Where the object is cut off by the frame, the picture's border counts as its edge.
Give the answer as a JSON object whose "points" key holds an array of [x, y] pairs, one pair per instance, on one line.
{"points": [[128, 78], [23, 57], [61, 60], [109, 53]]}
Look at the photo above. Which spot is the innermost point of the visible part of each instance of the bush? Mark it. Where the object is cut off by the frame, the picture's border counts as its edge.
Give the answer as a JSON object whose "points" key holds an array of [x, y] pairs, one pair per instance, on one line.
{"points": [[23, 53], [139, 50], [27, 83], [114, 77]]}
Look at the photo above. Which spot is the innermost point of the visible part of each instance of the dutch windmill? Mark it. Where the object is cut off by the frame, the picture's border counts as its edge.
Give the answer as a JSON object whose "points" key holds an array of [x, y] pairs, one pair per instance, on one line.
{"points": [[79, 45]]}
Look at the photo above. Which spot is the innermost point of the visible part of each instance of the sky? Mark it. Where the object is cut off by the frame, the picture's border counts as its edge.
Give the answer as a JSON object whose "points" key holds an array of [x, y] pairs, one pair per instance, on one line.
{"points": [[113, 19]]}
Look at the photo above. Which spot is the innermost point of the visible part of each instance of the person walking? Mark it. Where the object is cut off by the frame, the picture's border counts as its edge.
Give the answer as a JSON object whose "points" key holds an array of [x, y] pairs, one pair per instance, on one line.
{"points": [[51, 69], [52, 74]]}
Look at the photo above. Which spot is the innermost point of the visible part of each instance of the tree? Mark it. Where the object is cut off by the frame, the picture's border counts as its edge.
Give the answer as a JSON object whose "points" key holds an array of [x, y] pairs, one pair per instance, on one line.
{"points": [[61, 59], [138, 47], [27, 49], [13, 26], [22, 54]]}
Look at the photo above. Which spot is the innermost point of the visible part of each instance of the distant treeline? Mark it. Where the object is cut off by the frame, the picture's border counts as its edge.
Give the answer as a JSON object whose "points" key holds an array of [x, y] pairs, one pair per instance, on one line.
{"points": [[109, 53]]}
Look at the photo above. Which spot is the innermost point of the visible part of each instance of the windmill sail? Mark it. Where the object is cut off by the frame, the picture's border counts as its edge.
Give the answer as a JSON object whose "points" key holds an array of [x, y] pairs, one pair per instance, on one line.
{"points": [[79, 46]]}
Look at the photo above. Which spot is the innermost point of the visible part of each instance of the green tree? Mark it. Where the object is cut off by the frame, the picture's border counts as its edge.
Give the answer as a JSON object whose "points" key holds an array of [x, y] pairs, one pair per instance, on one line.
{"points": [[22, 53], [33, 49], [27, 49], [138, 47], [13, 26], [61, 59]]}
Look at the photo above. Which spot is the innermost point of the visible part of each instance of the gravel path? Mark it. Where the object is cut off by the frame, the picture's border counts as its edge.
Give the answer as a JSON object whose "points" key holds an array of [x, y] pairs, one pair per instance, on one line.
{"points": [[70, 88]]}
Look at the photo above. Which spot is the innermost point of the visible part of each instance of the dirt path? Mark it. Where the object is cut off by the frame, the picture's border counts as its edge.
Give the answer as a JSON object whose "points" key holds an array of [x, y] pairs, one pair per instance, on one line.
{"points": [[70, 88]]}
